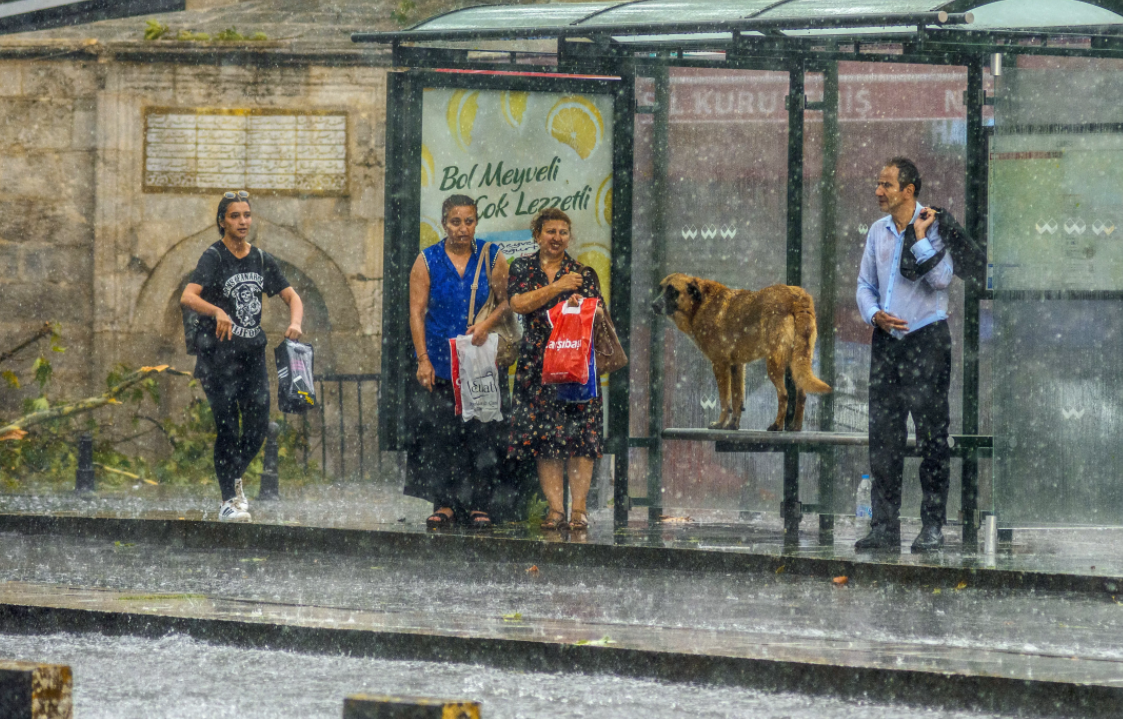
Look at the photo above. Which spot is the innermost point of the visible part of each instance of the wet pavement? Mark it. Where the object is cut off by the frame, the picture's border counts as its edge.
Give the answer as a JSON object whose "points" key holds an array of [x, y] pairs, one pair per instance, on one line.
{"points": [[1081, 552], [814, 635], [1052, 624], [189, 679]]}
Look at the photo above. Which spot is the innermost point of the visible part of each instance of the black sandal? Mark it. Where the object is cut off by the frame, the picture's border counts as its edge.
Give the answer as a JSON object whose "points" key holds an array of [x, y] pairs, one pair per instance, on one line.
{"points": [[439, 520], [554, 521], [480, 520]]}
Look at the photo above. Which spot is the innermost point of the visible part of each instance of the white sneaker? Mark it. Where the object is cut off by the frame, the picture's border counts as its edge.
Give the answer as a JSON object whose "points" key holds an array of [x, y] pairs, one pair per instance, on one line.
{"points": [[240, 500], [231, 512]]}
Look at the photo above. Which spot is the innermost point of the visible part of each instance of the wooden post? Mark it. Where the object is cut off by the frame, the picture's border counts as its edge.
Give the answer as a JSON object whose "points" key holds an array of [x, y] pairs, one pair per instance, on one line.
{"points": [[366, 706], [35, 691]]}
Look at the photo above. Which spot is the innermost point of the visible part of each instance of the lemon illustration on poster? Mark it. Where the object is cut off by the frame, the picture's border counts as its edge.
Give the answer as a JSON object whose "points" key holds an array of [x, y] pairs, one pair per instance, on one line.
{"points": [[517, 153]]}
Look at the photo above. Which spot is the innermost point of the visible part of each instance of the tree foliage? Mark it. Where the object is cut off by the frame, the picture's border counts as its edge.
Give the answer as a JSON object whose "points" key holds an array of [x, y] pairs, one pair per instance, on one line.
{"points": [[41, 444]]}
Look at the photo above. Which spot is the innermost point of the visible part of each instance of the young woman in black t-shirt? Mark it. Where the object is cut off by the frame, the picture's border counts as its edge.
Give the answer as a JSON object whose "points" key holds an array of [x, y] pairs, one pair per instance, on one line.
{"points": [[225, 289]]}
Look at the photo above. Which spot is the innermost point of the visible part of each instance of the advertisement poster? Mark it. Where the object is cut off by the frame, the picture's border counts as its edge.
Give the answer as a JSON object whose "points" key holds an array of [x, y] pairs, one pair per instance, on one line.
{"points": [[516, 153]]}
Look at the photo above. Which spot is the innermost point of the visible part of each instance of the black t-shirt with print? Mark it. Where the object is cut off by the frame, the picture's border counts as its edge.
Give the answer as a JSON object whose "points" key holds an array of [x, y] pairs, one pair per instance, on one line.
{"points": [[235, 286]]}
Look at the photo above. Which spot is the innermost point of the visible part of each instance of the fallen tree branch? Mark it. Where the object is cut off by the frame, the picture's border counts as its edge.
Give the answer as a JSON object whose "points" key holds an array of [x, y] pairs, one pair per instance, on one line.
{"points": [[17, 430], [122, 472], [39, 334]]}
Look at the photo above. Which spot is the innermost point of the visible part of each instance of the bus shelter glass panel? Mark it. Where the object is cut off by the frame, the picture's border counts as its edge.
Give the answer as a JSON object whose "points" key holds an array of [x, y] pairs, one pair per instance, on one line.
{"points": [[884, 110], [721, 216], [1056, 174]]}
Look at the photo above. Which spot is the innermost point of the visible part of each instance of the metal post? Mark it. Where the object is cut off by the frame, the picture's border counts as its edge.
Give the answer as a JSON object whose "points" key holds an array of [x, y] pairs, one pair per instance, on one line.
{"points": [[378, 439], [359, 399], [661, 160], [84, 478], [304, 435], [364, 706], [35, 691], [975, 220], [828, 293], [270, 484], [623, 164], [342, 435], [789, 507], [323, 434]]}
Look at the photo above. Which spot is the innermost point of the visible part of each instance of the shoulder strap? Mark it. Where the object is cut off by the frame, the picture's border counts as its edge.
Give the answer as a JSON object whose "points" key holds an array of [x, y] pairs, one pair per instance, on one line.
{"points": [[476, 283], [212, 248]]}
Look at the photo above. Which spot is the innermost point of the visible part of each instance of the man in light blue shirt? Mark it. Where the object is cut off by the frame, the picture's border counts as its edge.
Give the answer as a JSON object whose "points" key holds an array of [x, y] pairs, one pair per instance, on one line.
{"points": [[910, 368]]}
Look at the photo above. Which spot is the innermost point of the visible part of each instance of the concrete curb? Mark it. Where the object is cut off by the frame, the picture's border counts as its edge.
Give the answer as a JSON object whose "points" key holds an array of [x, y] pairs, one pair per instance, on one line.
{"points": [[938, 689], [484, 548]]}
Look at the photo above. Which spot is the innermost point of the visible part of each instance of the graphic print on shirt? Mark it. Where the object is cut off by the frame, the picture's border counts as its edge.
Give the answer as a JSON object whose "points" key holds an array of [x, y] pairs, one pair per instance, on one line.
{"points": [[245, 289]]}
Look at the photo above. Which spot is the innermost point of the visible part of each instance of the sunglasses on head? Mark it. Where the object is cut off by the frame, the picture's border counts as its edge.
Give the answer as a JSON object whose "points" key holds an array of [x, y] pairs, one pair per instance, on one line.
{"points": [[239, 195]]}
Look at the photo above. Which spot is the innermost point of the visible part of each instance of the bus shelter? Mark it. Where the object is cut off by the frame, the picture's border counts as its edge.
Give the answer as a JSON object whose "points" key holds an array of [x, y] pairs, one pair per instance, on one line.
{"points": [[740, 141]]}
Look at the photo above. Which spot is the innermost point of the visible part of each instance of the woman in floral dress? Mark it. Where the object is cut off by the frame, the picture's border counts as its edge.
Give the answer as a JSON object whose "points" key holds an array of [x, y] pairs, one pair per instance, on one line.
{"points": [[562, 437]]}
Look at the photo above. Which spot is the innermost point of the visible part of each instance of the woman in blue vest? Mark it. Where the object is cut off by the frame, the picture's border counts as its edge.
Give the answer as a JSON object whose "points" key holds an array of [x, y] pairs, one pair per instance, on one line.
{"points": [[453, 463]]}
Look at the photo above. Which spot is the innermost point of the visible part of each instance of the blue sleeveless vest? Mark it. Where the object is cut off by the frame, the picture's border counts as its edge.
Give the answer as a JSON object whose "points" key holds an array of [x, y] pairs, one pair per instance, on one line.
{"points": [[449, 295]]}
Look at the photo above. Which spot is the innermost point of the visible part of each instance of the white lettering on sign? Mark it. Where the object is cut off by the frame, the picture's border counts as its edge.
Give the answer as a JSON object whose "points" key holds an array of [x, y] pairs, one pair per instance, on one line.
{"points": [[716, 96], [564, 344]]}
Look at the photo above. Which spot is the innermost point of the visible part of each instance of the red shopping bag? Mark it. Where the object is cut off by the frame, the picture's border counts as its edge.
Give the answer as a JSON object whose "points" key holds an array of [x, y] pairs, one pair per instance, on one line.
{"points": [[567, 353], [455, 376]]}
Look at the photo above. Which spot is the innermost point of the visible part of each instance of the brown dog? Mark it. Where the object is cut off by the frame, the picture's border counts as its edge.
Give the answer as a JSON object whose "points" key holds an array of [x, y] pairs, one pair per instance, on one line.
{"points": [[735, 327]]}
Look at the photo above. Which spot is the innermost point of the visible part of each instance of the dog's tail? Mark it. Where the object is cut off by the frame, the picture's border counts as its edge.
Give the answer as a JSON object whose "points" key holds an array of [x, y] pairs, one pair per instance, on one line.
{"points": [[806, 332]]}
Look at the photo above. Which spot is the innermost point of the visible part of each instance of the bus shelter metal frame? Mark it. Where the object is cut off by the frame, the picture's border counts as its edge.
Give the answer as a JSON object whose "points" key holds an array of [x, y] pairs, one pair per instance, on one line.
{"points": [[594, 51]]}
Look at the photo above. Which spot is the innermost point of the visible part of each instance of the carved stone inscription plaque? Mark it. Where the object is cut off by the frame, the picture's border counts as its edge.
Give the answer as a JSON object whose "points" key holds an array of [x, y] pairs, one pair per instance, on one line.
{"points": [[293, 152]]}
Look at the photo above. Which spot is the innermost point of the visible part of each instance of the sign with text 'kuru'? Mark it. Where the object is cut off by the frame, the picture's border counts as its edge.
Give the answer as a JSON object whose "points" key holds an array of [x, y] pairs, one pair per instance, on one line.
{"points": [[517, 153]]}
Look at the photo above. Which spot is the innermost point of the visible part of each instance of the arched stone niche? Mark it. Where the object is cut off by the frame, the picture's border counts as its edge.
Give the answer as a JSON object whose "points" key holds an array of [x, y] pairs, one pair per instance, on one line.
{"points": [[331, 319]]}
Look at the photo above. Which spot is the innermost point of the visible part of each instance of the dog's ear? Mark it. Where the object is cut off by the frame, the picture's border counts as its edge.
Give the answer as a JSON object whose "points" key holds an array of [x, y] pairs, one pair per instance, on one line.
{"points": [[694, 291]]}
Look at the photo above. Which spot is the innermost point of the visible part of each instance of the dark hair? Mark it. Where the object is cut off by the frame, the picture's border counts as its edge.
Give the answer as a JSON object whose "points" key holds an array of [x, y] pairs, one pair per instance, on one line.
{"points": [[544, 216], [221, 215], [907, 174], [453, 201]]}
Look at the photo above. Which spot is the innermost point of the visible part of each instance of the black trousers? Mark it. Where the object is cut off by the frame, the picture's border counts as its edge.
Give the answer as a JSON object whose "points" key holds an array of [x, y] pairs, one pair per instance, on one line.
{"points": [[237, 388], [910, 375], [451, 462]]}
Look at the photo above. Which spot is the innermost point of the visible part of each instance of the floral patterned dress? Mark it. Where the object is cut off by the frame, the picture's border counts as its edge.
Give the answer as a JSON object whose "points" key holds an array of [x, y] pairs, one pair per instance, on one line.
{"points": [[541, 426]]}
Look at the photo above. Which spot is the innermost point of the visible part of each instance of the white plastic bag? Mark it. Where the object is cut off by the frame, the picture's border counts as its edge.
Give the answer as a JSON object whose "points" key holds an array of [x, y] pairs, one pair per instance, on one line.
{"points": [[478, 379]]}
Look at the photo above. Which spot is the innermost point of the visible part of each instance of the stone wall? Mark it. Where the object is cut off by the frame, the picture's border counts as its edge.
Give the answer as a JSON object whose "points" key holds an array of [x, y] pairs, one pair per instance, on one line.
{"points": [[82, 243], [48, 133]]}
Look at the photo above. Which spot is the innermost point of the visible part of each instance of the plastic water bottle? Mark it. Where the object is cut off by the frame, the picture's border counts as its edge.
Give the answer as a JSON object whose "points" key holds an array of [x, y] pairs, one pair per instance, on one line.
{"points": [[863, 505]]}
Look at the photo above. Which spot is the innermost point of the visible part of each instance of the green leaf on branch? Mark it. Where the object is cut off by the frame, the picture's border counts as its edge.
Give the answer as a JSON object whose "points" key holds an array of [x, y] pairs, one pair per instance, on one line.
{"points": [[230, 34], [42, 369], [10, 377], [154, 30]]}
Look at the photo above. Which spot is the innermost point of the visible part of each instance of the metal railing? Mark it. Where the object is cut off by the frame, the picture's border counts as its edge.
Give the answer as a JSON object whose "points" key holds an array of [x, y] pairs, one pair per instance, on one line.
{"points": [[340, 380]]}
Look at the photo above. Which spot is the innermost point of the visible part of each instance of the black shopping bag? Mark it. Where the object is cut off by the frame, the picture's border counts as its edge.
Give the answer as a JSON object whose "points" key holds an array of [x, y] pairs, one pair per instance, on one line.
{"points": [[295, 392]]}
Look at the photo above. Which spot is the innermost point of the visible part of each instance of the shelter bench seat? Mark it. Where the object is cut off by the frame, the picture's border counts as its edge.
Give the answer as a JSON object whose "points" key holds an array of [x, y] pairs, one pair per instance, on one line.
{"points": [[758, 440], [792, 444]]}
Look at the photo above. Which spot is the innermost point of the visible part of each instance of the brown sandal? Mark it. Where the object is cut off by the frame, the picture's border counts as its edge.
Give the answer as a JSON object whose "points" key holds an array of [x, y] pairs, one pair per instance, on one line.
{"points": [[554, 520], [576, 524]]}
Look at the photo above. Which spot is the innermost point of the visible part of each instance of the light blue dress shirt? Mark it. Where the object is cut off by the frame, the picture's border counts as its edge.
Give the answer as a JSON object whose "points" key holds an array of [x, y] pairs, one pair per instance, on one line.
{"points": [[882, 287]]}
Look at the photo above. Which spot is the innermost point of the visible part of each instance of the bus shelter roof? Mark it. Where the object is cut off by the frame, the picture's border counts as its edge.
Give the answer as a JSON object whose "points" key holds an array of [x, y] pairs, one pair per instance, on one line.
{"points": [[707, 21]]}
